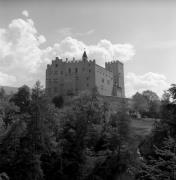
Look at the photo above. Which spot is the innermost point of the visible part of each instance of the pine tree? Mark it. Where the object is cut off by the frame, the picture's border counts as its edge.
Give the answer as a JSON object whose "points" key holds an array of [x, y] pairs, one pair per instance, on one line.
{"points": [[162, 165]]}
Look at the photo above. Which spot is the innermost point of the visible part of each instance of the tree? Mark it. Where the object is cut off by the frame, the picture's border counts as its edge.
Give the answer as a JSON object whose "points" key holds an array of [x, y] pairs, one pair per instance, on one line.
{"points": [[147, 104], [8, 111], [153, 103], [172, 91], [22, 98], [165, 99], [58, 101], [2, 93], [162, 165], [27, 139], [159, 161], [140, 103], [150, 95], [4, 176]]}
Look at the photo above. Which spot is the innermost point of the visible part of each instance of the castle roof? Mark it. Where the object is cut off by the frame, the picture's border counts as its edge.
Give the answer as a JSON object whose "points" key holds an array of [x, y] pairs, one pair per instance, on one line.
{"points": [[84, 56]]}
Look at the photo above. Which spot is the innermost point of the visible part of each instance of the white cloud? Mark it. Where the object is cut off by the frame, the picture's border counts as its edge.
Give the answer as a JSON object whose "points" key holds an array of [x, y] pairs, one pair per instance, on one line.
{"points": [[6, 79], [149, 81], [25, 13], [87, 33], [66, 31], [103, 51], [21, 56]]}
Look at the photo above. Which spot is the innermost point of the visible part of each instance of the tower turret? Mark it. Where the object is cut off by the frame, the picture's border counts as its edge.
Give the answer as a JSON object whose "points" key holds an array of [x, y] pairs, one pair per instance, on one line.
{"points": [[116, 67], [84, 56]]}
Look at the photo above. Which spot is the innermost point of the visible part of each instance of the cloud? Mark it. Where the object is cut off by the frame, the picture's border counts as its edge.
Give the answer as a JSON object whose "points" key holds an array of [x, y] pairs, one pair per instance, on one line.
{"points": [[66, 31], [87, 33], [20, 54], [6, 79], [103, 51], [149, 81], [23, 60], [25, 13]]}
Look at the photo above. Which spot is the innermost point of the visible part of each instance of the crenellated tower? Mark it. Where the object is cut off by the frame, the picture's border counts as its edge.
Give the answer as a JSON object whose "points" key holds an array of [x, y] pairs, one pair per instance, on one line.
{"points": [[116, 67]]}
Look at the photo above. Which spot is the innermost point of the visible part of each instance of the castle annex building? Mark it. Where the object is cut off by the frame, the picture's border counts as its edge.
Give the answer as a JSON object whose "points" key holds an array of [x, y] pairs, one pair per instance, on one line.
{"points": [[72, 77]]}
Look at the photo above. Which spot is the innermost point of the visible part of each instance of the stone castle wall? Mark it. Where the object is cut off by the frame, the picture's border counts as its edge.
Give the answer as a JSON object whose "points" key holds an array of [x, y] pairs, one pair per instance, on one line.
{"points": [[72, 77], [69, 77], [104, 81], [117, 103]]}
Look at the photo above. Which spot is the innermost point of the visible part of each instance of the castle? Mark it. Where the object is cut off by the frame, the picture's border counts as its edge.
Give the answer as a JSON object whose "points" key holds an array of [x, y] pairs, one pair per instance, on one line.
{"points": [[72, 77]]}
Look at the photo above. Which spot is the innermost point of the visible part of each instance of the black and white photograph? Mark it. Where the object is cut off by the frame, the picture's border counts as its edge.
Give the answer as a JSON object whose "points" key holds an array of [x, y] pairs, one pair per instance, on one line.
{"points": [[87, 90]]}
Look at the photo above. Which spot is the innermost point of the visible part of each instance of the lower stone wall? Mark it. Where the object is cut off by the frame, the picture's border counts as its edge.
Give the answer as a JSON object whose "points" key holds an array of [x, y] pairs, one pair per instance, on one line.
{"points": [[116, 103]]}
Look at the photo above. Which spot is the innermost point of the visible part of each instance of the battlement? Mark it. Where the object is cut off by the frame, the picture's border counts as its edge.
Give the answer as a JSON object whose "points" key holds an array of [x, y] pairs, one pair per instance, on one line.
{"points": [[113, 62], [69, 62]]}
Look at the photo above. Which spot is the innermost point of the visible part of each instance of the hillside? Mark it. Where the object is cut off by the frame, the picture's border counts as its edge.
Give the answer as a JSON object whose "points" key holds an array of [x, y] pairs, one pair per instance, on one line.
{"points": [[9, 90]]}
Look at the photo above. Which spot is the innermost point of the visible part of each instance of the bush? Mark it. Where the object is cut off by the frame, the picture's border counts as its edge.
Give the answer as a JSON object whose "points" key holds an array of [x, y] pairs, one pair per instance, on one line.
{"points": [[58, 101]]}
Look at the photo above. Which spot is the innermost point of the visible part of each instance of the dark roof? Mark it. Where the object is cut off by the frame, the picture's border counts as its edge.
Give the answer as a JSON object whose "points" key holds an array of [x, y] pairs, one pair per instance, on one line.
{"points": [[84, 55]]}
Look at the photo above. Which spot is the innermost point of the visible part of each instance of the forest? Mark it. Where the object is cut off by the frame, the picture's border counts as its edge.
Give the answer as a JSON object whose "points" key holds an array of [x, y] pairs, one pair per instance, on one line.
{"points": [[83, 139]]}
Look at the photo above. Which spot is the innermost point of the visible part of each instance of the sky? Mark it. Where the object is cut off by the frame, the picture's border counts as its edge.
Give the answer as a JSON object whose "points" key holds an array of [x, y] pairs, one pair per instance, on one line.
{"points": [[139, 33]]}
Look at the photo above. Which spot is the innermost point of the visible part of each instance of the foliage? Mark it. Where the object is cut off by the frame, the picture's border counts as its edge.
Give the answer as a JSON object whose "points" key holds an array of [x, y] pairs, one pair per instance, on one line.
{"points": [[147, 104], [172, 91], [162, 165], [58, 101], [158, 149], [2, 93], [8, 111], [82, 141], [4, 176], [27, 138], [140, 103], [22, 98]]}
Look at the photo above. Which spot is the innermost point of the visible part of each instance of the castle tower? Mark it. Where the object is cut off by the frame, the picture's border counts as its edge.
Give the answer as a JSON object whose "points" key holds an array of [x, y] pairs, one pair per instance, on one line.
{"points": [[116, 67]]}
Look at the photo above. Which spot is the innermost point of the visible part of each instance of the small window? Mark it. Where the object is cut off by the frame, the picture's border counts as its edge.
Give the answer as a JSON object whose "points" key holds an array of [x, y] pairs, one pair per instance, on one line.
{"points": [[87, 78], [89, 70], [87, 84], [69, 70], [76, 70], [56, 65], [61, 72], [102, 80]]}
